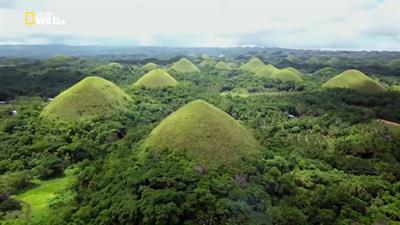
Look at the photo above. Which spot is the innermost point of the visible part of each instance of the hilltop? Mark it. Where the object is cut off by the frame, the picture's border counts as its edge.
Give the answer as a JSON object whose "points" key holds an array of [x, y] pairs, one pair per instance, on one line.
{"points": [[266, 71], [156, 79], [354, 79], [150, 66], [185, 66], [222, 66], [287, 75], [91, 97], [252, 65], [205, 133]]}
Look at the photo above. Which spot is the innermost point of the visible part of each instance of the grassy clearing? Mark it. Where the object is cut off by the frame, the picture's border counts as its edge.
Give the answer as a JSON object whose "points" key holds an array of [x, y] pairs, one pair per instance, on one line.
{"points": [[391, 126], [395, 88], [36, 201]]}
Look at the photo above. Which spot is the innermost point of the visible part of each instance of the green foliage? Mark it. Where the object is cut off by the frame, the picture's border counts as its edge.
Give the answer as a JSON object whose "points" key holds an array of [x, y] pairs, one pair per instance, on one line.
{"points": [[323, 157]]}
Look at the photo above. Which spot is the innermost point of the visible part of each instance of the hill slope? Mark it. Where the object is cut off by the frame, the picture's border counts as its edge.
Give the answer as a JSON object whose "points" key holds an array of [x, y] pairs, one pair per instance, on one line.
{"points": [[252, 65], [150, 66], [354, 79], [91, 97], [185, 66], [156, 79], [266, 71], [222, 66], [206, 133], [285, 75]]}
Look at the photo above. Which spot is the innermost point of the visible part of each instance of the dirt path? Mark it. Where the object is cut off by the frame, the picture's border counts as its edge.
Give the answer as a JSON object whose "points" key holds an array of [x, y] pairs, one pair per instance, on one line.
{"points": [[388, 122]]}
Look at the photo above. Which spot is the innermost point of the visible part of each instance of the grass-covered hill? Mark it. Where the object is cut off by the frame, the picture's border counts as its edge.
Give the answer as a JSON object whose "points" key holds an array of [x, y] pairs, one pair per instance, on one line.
{"points": [[252, 65], [286, 75], [207, 63], [354, 79], [295, 71], [184, 65], [394, 64], [157, 78], [91, 97], [150, 66], [266, 71], [222, 66], [206, 133], [115, 65]]}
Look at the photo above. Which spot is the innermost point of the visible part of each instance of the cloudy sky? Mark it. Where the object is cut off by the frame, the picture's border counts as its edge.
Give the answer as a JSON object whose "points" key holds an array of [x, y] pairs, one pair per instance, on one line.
{"points": [[305, 24]]}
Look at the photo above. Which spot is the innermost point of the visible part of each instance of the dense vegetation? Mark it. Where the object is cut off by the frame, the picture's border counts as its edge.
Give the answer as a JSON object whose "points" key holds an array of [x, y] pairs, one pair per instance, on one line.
{"points": [[324, 158]]}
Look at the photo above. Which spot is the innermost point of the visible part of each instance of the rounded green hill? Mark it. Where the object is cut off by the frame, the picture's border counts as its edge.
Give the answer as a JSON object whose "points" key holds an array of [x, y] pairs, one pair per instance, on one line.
{"points": [[252, 65], [295, 71], [150, 66], [286, 75], [89, 98], [266, 71], [185, 66], [394, 64], [222, 66], [207, 63], [115, 65], [354, 79], [157, 78], [206, 133]]}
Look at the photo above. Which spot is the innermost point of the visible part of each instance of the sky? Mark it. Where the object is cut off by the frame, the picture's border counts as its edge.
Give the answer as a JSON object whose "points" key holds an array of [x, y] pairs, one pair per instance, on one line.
{"points": [[300, 24]]}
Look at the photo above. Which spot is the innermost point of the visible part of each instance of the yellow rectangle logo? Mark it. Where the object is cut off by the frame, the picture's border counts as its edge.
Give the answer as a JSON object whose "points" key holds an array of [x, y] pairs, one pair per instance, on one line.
{"points": [[29, 18]]}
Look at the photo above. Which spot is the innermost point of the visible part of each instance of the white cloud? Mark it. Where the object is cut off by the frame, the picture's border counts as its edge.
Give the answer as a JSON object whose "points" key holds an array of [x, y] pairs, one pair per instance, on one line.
{"points": [[357, 24]]}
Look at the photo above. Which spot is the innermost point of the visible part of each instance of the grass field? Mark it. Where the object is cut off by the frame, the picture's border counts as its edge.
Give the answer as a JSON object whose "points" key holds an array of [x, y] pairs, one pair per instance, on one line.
{"points": [[391, 126], [396, 88], [36, 200]]}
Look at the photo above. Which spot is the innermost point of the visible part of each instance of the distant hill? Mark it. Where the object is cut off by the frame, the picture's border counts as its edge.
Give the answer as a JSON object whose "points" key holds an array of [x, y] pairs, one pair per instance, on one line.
{"points": [[205, 133], [394, 64], [207, 63], [89, 98], [156, 79], [266, 71], [354, 79], [222, 66], [185, 66], [252, 65], [287, 75], [150, 66]]}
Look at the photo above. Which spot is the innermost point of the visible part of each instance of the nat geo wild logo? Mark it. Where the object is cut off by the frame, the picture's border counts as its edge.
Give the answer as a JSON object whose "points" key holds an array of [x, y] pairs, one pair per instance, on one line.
{"points": [[42, 18]]}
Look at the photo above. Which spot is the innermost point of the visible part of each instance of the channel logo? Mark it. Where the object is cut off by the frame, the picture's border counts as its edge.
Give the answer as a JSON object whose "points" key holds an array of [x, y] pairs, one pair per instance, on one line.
{"points": [[42, 18]]}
